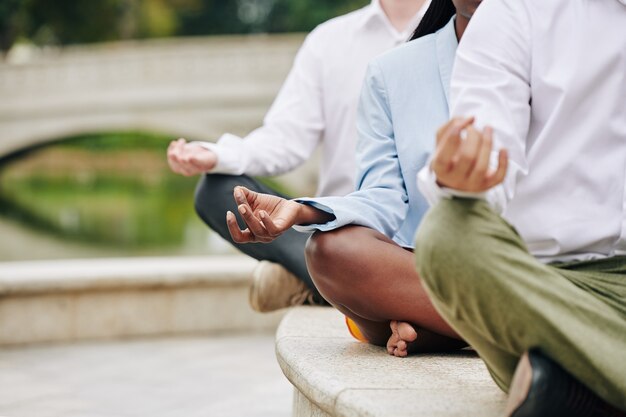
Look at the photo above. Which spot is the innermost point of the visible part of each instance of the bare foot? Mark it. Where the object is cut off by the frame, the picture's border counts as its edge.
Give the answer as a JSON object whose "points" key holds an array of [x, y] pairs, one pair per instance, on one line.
{"points": [[405, 339], [402, 335]]}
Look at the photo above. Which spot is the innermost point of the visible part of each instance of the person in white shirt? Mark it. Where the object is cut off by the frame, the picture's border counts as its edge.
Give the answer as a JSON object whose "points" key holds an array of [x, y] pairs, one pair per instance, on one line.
{"points": [[315, 107], [523, 250]]}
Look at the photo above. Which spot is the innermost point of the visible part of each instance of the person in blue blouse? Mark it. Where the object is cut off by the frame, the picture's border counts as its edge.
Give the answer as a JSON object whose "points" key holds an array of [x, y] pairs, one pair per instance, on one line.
{"points": [[360, 256]]}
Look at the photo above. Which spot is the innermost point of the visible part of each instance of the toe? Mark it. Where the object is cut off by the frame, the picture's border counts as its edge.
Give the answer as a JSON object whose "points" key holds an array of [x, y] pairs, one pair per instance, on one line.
{"points": [[406, 332], [394, 327], [400, 353], [401, 345]]}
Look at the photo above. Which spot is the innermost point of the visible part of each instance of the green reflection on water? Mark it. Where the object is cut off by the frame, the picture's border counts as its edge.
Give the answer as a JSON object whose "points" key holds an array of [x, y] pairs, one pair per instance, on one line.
{"points": [[112, 190], [109, 189]]}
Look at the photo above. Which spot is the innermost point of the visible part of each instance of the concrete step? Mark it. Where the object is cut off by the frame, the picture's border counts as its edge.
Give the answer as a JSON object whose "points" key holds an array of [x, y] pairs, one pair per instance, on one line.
{"points": [[60, 301], [335, 375]]}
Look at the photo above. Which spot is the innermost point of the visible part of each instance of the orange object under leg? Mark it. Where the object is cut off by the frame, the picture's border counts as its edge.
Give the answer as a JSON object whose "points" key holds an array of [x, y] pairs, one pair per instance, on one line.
{"points": [[354, 330]]}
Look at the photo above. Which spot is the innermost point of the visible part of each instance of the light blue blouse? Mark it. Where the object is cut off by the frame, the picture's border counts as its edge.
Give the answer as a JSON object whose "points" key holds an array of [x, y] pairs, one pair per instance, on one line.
{"points": [[403, 102]]}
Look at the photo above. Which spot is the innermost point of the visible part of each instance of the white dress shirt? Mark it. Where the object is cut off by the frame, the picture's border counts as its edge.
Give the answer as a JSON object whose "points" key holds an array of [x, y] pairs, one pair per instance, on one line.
{"points": [[552, 83], [317, 103]]}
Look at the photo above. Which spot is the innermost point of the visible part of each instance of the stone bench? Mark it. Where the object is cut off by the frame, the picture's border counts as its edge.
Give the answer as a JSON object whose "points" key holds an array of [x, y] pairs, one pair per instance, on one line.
{"points": [[335, 375], [60, 301]]}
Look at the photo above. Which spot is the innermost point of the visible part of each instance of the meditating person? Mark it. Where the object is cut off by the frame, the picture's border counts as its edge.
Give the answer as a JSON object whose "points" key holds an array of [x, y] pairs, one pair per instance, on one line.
{"points": [[361, 257], [529, 268], [315, 107]]}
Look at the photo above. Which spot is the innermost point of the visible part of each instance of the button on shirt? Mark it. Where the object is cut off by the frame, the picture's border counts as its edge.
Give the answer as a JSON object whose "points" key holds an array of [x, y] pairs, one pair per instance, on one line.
{"points": [[317, 103], [550, 77]]}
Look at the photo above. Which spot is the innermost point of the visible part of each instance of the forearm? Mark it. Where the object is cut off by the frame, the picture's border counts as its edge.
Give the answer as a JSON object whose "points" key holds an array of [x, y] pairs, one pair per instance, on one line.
{"points": [[267, 151]]}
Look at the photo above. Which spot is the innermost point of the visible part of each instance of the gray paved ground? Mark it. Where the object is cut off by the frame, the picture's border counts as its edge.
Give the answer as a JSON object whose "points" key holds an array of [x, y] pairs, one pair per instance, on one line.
{"points": [[195, 376]]}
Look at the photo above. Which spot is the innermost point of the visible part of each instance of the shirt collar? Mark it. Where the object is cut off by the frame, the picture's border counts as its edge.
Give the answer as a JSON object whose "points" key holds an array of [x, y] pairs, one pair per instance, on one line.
{"points": [[375, 12]]}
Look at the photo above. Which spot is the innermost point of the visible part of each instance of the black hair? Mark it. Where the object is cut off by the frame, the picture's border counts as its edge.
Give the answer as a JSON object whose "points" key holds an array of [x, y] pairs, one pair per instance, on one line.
{"points": [[437, 16]]}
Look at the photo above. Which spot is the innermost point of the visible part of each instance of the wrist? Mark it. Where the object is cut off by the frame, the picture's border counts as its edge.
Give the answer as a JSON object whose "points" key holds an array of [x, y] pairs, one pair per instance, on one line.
{"points": [[214, 160], [310, 215]]}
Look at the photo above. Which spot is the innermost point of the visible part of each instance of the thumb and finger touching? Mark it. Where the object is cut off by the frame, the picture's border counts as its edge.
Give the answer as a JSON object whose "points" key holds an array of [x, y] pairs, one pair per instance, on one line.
{"points": [[463, 163]]}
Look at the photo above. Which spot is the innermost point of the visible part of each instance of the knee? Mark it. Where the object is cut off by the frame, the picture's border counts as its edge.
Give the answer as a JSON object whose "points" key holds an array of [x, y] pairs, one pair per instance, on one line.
{"points": [[325, 253], [450, 246], [321, 252], [440, 237]]}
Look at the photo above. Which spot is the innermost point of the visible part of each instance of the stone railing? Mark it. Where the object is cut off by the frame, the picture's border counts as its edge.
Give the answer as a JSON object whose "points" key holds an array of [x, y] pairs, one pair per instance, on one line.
{"points": [[196, 87]]}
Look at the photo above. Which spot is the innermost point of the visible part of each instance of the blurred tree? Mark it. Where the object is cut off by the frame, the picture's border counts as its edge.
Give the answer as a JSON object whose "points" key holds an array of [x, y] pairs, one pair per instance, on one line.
{"points": [[212, 17], [158, 18], [70, 21], [250, 16], [11, 14], [304, 15]]}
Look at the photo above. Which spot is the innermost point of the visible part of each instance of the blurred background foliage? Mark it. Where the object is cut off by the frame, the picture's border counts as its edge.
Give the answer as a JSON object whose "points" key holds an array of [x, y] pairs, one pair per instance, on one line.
{"points": [[112, 193], [62, 22]]}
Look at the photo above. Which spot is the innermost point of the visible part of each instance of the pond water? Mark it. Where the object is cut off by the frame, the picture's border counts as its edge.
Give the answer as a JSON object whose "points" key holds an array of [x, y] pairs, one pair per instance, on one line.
{"points": [[100, 195]]}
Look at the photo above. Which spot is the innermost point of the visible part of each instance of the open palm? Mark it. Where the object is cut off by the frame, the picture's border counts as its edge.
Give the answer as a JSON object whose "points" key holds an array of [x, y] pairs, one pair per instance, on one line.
{"points": [[267, 216]]}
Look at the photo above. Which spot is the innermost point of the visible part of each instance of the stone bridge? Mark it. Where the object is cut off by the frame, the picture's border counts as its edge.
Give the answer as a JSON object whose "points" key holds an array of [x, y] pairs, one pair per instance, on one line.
{"points": [[194, 87]]}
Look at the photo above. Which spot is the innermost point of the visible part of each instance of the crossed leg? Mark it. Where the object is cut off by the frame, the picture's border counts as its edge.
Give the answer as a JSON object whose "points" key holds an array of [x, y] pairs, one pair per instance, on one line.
{"points": [[373, 281], [505, 302]]}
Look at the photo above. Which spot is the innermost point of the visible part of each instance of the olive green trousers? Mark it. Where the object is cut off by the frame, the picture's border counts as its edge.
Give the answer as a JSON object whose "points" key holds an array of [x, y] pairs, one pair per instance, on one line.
{"points": [[500, 299]]}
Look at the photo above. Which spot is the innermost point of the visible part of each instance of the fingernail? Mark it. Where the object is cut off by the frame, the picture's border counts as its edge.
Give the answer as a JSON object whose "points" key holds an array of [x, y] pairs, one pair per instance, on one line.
{"points": [[242, 210], [262, 214]]}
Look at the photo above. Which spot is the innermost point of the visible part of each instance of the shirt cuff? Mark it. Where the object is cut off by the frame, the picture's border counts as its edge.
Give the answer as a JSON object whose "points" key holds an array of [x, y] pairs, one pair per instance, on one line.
{"points": [[433, 193], [229, 151], [322, 227]]}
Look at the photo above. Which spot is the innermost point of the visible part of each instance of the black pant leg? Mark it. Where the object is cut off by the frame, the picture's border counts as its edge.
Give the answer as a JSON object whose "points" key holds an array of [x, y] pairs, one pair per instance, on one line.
{"points": [[214, 197]]}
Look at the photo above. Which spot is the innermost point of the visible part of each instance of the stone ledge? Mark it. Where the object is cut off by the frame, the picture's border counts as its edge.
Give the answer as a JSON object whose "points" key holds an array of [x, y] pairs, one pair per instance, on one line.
{"points": [[60, 301], [334, 375], [105, 274]]}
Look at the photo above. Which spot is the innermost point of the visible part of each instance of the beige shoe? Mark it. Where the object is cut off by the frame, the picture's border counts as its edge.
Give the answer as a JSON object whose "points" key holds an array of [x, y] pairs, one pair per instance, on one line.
{"points": [[273, 288]]}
